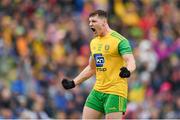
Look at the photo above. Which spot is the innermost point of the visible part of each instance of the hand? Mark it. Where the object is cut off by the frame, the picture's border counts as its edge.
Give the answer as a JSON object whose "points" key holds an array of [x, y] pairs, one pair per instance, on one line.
{"points": [[68, 84], [124, 73]]}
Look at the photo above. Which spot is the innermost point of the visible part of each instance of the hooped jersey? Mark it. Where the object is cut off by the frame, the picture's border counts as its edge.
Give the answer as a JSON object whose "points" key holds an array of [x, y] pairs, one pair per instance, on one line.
{"points": [[107, 52]]}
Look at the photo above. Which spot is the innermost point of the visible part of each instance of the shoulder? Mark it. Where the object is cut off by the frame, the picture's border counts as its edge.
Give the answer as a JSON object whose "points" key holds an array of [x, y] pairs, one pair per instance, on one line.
{"points": [[94, 40], [117, 36]]}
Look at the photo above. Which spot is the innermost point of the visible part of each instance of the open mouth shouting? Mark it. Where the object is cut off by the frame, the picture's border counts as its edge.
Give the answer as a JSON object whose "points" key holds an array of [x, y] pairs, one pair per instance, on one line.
{"points": [[94, 30]]}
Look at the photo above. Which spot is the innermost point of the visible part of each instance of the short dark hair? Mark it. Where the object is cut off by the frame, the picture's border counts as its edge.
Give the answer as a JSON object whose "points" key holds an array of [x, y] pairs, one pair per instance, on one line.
{"points": [[100, 13]]}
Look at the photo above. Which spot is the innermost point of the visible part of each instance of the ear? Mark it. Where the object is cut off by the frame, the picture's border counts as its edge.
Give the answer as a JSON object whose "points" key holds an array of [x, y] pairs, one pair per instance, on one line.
{"points": [[104, 22]]}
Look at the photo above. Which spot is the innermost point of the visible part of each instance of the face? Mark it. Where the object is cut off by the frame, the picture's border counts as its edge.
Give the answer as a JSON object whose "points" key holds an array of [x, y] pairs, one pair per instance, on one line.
{"points": [[96, 24]]}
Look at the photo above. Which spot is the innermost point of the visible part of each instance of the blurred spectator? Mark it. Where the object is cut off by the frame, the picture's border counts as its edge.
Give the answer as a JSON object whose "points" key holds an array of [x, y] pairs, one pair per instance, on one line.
{"points": [[42, 41]]}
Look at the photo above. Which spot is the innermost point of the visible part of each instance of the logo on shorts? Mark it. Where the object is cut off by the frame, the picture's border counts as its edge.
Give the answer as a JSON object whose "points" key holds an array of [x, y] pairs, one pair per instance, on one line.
{"points": [[112, 108]]}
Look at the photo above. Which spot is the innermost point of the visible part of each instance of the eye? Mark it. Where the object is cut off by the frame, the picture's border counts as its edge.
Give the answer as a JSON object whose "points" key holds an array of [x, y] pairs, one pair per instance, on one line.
{"points": [[93, 21]]}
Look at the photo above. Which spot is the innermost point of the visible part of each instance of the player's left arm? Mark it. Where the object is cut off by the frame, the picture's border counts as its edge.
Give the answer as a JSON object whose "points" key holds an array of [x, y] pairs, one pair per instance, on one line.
{"points": [[125, 50]]}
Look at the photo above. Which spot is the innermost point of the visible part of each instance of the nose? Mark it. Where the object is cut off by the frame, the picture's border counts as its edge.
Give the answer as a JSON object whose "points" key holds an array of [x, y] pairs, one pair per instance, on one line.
{"points": [[90, 23]]}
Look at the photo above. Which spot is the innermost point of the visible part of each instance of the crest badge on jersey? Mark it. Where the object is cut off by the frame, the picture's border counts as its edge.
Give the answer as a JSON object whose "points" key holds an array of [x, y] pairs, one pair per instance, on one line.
{"points": [[107, 47]]}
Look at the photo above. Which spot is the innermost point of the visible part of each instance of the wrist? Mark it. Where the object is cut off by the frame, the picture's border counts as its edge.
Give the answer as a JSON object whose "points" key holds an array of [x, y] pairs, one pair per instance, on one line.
{"points": [[129, 69], [74, 82]]}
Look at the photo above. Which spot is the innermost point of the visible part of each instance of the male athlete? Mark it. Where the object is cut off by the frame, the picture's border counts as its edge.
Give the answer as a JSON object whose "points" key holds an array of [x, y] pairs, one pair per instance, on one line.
{"points": [[112, 62]]}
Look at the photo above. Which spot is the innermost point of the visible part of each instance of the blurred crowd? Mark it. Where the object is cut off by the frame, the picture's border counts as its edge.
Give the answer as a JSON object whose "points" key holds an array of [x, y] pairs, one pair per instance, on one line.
{"points": [[42, 41]]}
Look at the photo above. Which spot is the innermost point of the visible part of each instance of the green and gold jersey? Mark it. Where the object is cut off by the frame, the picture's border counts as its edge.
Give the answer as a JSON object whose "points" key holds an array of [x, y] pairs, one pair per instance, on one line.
{"points": [[107, 52]]}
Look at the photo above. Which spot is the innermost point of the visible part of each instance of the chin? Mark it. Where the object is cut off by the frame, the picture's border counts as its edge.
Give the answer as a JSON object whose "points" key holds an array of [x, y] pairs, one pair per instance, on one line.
{"points": [[95, 35]]}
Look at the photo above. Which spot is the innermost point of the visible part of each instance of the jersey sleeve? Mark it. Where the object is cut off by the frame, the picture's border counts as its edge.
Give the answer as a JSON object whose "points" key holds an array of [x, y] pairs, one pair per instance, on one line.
{"points": [[124, 47]]}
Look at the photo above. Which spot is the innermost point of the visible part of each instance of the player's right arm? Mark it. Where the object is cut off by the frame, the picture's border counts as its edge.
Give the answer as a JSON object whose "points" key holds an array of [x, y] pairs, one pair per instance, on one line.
{"points": [[88, 72]]}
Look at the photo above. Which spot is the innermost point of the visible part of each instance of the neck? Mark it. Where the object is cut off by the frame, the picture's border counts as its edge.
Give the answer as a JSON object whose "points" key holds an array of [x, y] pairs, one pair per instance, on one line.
{"points": [[105, 31]]}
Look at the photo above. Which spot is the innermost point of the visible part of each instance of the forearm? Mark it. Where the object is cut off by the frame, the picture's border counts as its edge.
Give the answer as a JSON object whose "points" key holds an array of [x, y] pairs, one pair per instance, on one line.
{"points": [[84, 75], [131, 66], [130, 62]]}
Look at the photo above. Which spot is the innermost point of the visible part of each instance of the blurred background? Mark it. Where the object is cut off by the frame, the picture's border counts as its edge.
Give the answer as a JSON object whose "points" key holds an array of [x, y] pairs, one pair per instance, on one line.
{"points": [[43, 40]]}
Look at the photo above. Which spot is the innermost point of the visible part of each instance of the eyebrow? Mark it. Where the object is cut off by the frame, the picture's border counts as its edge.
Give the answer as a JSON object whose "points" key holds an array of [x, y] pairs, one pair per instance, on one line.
{"points": [[92, 20]]}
